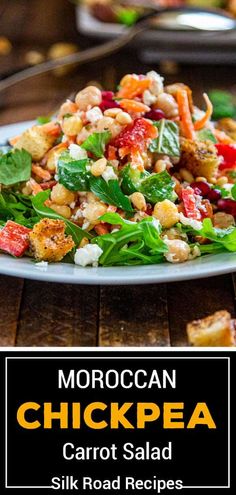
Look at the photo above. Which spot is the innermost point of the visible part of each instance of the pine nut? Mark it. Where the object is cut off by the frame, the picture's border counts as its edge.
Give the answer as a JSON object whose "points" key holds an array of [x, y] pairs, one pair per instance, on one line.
{"points": [[201, 179], [186, 175], [123, 118], [138, 201], [160, 166], [112, 112], [222, 181]]}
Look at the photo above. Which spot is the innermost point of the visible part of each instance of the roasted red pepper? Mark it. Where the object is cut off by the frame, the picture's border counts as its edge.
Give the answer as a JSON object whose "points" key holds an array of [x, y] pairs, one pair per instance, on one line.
{"points": [[14, 239], [190, 204], [228, 153]]}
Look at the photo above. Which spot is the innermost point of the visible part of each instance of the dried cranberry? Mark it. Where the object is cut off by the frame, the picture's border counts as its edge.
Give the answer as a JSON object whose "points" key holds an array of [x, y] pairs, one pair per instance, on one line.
{"points": [[214, 195], [149, 209], [107, 95], [155, 115], [106, 104], [201, 188], [227, 205]]}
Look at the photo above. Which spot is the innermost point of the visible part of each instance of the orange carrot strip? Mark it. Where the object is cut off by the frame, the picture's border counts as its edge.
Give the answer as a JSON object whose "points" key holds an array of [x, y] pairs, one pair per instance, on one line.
{"points": [[222, 137], [14, 140], [36, 188], [185, 114], [52, 128], [133, 106], [199, 124], [131, 86], [40, 172], [101, 229]]}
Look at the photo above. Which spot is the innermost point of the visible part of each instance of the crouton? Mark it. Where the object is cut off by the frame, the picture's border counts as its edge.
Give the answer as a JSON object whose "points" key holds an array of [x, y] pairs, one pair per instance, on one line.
{"points": [[228, 126], [199, 158], [48, 241], [216, 330], [36, 142]]}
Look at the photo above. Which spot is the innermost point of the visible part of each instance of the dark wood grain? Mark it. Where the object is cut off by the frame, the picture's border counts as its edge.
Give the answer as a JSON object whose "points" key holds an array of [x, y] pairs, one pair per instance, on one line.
{"points": [[134, 316], [57, 315], [10, 299], [195, 299]]}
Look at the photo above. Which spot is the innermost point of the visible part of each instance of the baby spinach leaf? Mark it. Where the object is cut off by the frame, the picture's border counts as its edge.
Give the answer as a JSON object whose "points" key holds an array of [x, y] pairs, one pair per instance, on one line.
{"points": [[167, 141], [158, 187], [45, 212], [131, 179], [96, 143], [110, 192], [73, 174], [206, 135], [15, 166]]}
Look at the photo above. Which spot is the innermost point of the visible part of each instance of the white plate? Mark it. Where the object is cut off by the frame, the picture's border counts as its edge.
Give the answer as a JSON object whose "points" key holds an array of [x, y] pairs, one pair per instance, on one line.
{"points": [[65, 273]]}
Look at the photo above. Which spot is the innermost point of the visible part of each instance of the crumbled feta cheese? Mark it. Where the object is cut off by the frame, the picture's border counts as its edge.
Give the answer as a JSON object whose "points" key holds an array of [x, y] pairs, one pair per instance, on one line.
{"points": [[72, 205], [56, 177], [86, 225], [77, 153], [227, 187], [88, 255], [94, 115], [109, 174], [156, 224], [195, 224], [148, 98], [78, 214], [88, 168], [156, 86]]}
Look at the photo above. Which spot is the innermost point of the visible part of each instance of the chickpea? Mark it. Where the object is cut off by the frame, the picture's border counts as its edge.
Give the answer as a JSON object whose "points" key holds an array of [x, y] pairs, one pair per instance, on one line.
{"points": [[67, 107], [93, 211], [99, 167], [109, 124], [64, 211], [186, 175], [90, 96], [52, 158], [123, 118], [167, 104], [138, 201], [61, 196], [71, 126], [91, 198], [178, 251], [167, 213], [222, 181], [223, 220], [160, 166]]}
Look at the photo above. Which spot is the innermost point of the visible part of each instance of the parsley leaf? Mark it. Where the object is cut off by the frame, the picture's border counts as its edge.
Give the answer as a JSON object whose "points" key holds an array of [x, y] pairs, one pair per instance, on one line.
{"points": [[96, 143], [73, 174], [110, 192]]}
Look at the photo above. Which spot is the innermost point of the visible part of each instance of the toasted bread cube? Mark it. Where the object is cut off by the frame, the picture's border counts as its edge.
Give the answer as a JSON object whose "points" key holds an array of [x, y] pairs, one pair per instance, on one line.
{"points": [[216, 330], [228, 126], [199, 158], [36, 142], [48, 241]]}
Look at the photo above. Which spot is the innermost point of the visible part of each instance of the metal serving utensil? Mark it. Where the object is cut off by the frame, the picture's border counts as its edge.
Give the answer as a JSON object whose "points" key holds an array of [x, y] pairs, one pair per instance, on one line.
{"points": [[182, 18]]}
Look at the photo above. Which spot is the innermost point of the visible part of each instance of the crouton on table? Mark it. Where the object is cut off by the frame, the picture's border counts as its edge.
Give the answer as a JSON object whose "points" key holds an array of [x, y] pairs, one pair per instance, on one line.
{"points": [[216, 330], [48, 241]]}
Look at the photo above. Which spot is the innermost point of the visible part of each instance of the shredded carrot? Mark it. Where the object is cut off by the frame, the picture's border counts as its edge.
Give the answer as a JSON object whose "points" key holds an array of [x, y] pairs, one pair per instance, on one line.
{"points": [[14, 140], [222, 137], [36, 188], [101, 229], [52, 128], [133, 106], [132, 86], [185, 114], [203, 121], [111, 155], [41, 172]]}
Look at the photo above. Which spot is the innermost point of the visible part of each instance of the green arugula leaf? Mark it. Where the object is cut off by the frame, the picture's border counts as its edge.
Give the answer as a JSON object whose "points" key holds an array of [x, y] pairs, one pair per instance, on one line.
{"points": [[158, 187], [44, 212], [17, 207], [233, 192], [96, 143], [167, 141], [73, 174], [224, 238], [15, 166], [134, 244], [110, 192], [206, 135]]}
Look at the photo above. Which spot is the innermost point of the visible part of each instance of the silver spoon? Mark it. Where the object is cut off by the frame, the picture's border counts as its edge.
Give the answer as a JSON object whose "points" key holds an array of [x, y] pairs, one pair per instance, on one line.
{"points": [[185, 19]]}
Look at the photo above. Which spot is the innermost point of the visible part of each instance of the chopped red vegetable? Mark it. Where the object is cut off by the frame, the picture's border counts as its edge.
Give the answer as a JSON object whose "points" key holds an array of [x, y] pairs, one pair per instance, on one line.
{"points": [[190, 204], [14, 239], [228, 152], [135, 137]]}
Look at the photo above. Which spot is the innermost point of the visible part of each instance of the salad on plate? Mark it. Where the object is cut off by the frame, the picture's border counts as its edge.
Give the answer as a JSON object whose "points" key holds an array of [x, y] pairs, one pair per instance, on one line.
{"points": [[140, 176]]}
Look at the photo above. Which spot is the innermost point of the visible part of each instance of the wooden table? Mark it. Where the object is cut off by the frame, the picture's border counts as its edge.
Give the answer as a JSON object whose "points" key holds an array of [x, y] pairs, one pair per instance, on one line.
{"points": [[48, 314]]}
